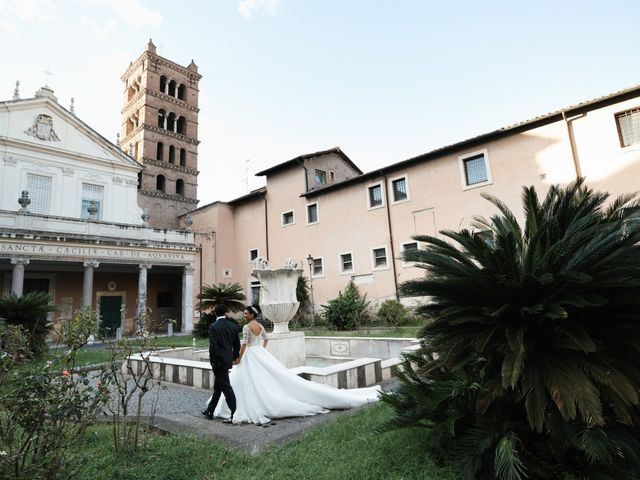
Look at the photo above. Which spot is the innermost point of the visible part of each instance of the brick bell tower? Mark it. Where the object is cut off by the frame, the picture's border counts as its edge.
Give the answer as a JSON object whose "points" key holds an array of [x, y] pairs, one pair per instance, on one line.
{"points": [[160, 130]]}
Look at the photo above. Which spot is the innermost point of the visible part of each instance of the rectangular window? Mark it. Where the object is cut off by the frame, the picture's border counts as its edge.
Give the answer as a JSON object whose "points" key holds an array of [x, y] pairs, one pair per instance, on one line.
{"points": [[253, 254], [375, 196], [255, 292], [399, 188], [332, 176], [379, 258], [346, 263], [39, 188], [312, 213], [321, 177], [628, 124], [287, 218], [317, 268], [408, 247], [474, 169], [165, 300], [91, 195]]}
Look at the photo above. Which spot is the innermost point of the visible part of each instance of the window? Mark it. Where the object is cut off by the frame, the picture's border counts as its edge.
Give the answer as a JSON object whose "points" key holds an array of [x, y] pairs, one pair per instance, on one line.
{"points": [[160, 151], [160, 183], [380, 258], [287, 218], [474, 169], [39, 188], [399, 188], [375, 196], [312, 213], [317, 268], [346, 262], [172, 154], [183, 157], [226, 273], [332, 176], [91, 194], [255, 292], [165, 300], [180, 187], [253, 254], [628, 124], [321, 176], [408, 247]]}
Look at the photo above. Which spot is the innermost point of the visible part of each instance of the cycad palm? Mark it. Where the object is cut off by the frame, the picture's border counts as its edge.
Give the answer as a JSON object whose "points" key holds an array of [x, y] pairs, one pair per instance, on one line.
{"points": [[539, 329], [29, 311], [229, 294]]}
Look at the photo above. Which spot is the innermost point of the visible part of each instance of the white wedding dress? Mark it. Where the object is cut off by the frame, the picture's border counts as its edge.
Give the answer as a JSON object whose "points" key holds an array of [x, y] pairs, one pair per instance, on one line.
{"points": [[265, 389]]}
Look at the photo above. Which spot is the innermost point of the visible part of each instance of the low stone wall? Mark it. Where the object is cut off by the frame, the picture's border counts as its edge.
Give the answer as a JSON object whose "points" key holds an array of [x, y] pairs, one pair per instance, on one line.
{"points": [[357, 347]]}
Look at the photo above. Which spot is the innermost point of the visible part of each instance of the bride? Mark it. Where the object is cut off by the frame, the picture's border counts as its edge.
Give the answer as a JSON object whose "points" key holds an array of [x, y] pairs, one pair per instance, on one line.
{"points": [[265, 389]]}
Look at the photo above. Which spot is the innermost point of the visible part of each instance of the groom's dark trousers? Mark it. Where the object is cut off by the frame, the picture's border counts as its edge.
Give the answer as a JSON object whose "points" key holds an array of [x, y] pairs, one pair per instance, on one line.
{"points": [[224, 348]]}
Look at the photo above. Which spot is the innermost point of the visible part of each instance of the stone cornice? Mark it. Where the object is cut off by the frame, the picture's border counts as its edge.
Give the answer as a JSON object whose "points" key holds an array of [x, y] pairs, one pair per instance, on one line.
{"points": [[163, 131], [173, 166], [168, 196], [147, 55], [167, 98]]}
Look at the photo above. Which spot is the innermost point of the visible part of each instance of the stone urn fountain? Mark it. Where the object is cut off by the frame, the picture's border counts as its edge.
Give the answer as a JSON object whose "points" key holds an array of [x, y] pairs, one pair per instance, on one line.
{"points": [[279, 304]]}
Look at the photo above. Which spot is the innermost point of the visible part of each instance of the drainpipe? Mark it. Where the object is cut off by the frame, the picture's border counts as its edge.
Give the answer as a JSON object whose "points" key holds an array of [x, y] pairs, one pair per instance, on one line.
{"points": [[266, 224], [572, 142], [306, 175], [393, 255]]}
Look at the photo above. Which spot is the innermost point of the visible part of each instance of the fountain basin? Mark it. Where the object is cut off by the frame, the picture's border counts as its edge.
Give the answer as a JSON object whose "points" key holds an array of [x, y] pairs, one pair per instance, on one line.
{"points": [[188, 366]]}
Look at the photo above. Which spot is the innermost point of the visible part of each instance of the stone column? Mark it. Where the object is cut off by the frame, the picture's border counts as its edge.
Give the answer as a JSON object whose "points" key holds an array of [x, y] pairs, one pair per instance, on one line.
{"points": [[87, 282], [142, 293], [17, 276], [187, 299]]}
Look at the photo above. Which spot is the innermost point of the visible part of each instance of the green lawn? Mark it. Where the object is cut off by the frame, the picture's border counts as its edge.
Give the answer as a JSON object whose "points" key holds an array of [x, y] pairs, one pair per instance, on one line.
{"points": [[344, 448]]}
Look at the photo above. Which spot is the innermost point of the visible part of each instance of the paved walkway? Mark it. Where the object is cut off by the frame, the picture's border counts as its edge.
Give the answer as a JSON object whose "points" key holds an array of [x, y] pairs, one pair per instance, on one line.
{"points": [[177, 410]]}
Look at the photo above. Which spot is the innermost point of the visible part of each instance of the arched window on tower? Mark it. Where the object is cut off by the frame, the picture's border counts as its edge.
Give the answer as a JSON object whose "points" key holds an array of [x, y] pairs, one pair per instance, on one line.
{"points": [[172, 88], [130, 126], [182, 126], [160, 151], [172, 154], [171, 122], [160, 181], [183, 157], [163, 84], [182, 92], [180, 187], [161, 118]]}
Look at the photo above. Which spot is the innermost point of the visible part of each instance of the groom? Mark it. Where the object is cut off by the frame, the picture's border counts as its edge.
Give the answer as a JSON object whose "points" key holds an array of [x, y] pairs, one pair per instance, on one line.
{"points": [[224, 348]]}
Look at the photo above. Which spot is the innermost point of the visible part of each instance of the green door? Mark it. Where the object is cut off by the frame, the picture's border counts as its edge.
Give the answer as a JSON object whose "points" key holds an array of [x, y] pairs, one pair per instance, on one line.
{"points": [[110, 316]]}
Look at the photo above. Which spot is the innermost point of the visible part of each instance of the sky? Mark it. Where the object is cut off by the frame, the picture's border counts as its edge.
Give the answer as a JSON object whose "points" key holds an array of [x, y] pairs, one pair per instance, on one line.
{"points": [[384, 80]]}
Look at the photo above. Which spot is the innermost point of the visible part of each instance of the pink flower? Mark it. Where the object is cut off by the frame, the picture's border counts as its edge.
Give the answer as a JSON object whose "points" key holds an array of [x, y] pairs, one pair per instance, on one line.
{"points": [[65, 373]]}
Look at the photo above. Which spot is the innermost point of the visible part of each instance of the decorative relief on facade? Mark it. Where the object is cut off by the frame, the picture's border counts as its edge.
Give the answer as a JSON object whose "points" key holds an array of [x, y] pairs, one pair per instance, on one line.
{"points": [[9, 161], [92, 176], [67, 171], [42, 129], [173, 166], [340, 348]]}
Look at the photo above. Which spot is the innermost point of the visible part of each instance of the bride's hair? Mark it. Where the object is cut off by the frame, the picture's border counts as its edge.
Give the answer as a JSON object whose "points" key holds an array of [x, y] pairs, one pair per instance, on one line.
{"points": [[253, 309]]}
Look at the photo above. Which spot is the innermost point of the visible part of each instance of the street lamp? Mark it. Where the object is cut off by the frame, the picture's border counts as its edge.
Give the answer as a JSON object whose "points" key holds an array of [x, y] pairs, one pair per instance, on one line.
{"points": [[313, 308]]}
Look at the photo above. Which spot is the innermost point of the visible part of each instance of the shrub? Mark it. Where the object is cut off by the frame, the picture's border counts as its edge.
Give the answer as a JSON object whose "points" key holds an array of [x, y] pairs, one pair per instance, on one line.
{"points": [[229, 294], [393, 313], [529, 365], [348, 310], [202, 327], [43, 411], [30, 312]]}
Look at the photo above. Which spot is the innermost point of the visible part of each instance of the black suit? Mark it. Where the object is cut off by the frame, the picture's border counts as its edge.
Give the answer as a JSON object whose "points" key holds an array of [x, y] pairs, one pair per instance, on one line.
{"points": [[224, 348]]}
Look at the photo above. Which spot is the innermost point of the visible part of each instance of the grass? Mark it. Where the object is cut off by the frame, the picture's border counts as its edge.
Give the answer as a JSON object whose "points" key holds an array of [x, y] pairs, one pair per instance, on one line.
{"points": [[344, 448]]}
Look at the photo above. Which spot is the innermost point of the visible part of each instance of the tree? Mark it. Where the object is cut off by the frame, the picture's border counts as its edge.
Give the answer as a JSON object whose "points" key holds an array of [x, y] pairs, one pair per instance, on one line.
{"points": [[529, 363], [30, 312]]}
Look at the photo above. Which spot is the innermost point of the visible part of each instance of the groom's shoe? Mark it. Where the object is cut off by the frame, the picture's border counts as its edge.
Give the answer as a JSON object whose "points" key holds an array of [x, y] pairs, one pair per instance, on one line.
{"points": [[228, 420], [207, 413]]}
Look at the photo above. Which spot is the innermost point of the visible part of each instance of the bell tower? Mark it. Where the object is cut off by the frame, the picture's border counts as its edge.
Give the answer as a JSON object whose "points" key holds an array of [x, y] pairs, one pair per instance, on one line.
{"points": [[160, 130]]}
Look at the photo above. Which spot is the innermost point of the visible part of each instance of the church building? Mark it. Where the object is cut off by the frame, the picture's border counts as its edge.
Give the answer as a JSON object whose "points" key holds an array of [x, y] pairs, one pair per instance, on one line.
{"points": [[70, 221]]}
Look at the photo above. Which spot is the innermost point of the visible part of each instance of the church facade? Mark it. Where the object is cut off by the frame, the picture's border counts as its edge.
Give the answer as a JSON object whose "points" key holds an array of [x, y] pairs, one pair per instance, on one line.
{"points": [[70, 224]]}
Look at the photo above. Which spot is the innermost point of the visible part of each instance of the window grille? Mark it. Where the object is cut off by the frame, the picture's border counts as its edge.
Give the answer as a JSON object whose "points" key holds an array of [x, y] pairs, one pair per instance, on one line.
{"points": [[39, 187], [380, 257], [629, 127], [347, 262], [475, 169], [399, 189], [375, 196], [91, 193]]}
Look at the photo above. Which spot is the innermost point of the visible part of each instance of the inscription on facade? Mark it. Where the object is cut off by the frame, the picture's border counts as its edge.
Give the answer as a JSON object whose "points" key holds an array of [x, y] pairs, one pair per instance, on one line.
{"points": [[94, 252]]}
